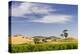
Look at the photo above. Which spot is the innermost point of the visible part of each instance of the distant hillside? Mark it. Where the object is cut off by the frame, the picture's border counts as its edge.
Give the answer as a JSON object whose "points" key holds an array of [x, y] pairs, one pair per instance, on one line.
{"points": [[38, 37], [50, 37], [20, 39], [54, 37], [72, 39]]}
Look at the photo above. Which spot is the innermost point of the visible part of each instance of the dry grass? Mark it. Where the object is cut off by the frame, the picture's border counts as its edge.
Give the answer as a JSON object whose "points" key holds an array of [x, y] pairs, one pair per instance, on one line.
{"points": [[20, 40], [29, 40]]}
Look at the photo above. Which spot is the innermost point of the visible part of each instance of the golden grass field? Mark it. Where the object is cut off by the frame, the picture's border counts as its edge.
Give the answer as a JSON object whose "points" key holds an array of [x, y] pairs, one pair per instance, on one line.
{"points": [[29, 40], [21, 40]]}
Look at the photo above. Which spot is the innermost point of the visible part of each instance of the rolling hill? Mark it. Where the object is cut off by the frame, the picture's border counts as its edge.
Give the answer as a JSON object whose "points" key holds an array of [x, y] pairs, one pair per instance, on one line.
{"points": [[21, 39]]}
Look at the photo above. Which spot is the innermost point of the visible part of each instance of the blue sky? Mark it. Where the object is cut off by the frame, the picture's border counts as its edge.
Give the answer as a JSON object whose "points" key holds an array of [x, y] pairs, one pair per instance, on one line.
{"points": [[35, 19]]}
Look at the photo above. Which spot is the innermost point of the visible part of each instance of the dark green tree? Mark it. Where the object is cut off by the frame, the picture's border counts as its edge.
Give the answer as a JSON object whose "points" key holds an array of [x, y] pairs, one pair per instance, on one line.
{"points": [[65, 34], [44, 40], [36, 40]]}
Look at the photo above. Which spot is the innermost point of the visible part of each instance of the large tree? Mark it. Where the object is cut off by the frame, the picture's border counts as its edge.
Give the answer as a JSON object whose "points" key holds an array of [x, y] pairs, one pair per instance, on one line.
{"points": [[65, 34]]}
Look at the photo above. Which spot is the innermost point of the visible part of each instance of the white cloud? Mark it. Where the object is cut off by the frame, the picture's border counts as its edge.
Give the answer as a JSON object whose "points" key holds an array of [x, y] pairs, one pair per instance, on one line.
{"points": [[42, 10], [27, 8], [21, 10], [54, 19]]}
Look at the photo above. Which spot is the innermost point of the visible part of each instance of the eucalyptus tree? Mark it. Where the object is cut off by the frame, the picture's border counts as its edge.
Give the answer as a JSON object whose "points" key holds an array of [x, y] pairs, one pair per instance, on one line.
{"points": [[65, 33]]}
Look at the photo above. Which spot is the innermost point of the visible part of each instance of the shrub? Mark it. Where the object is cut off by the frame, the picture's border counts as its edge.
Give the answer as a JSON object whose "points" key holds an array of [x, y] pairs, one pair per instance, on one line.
{"points": [[42, 47]]}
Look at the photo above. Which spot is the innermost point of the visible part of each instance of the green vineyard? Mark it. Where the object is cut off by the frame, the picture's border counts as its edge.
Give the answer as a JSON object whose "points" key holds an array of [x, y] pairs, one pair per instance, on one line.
{"points": [[42, 47]]}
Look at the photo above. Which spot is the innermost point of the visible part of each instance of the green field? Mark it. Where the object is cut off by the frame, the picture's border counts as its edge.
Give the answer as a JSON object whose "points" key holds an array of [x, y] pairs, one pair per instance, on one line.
{"points": [[17, 48]]}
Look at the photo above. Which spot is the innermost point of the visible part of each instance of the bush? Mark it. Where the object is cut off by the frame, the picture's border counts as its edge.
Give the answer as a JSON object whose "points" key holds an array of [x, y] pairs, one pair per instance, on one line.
{"points": [[42, 47]]}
